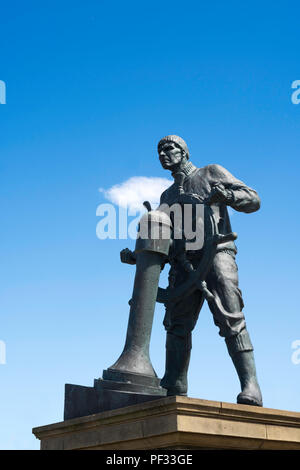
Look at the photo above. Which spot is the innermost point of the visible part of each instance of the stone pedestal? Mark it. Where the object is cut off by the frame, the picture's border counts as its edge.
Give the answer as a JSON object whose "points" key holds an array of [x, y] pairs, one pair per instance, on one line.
{"points": [[110, 394], [176, 423]]}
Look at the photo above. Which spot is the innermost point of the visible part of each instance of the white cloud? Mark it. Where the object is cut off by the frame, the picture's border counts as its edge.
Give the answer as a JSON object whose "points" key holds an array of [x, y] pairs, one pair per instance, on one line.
{"points": [[133, 192]]}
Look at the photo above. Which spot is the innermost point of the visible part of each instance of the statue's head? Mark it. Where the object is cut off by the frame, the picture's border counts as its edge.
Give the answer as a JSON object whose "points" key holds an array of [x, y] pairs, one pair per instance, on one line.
{"points": [[172, 150]]}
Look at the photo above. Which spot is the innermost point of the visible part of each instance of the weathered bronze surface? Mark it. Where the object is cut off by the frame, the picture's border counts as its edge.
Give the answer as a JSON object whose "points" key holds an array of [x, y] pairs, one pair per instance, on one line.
{"points": [[208, 273], [190, 231]]}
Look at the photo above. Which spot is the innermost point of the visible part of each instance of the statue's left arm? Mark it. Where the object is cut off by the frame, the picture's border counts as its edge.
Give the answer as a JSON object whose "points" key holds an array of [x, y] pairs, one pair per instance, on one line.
{"points": [[233, 192]]}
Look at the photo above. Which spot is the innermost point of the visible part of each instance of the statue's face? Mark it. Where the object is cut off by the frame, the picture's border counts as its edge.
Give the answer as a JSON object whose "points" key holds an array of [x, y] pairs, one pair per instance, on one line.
{"points": [[170, 154]]}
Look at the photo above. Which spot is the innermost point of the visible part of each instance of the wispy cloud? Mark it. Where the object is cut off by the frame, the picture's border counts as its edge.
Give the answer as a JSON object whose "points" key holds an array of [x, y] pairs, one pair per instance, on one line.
{"points": [[133, 192]]}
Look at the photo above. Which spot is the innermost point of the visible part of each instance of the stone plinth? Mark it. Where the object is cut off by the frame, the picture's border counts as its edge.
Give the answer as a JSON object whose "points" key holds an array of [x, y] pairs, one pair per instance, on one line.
{"points": [[176, 423]]}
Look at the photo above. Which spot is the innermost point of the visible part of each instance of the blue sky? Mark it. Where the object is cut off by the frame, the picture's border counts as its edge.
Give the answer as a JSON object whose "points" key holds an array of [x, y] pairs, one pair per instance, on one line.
{"points": [[91, 88]]}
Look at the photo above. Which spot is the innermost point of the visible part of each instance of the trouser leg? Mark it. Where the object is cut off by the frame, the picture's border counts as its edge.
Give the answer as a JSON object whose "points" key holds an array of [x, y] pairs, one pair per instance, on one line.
{"points": [[228, 316], [228, 304], [179, 322]]}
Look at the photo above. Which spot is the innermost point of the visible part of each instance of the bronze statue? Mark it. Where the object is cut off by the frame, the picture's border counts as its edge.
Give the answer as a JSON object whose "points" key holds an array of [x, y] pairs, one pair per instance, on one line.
{"points": [[199, 271], [215, 188]]}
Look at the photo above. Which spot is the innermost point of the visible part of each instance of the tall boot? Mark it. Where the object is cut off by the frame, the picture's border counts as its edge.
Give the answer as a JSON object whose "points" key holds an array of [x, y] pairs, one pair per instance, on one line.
{"points": [[178, 352], [241, 352]]}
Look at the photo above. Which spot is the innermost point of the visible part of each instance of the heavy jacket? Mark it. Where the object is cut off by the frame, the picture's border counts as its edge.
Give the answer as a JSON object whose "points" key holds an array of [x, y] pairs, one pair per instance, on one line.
{"points": [[200, 181]]}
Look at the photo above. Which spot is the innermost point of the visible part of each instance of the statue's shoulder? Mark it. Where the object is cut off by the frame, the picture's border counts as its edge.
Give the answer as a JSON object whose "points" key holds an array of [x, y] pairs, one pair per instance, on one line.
{"points": [[213, 170]]}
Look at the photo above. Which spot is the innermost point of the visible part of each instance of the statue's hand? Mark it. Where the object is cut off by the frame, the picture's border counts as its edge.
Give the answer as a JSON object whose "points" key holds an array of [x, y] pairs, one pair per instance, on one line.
{"points": [[127, 256], [219, 194]]}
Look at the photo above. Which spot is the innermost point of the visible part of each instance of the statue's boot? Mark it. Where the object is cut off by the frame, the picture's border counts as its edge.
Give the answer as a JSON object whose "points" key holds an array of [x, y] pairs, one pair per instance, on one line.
{"points": [[178, 352], [241, 352]]}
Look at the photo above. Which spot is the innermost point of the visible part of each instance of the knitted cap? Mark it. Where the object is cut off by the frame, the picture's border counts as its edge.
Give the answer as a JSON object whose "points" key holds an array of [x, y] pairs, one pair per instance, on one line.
{"points": [[174, 138]]}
